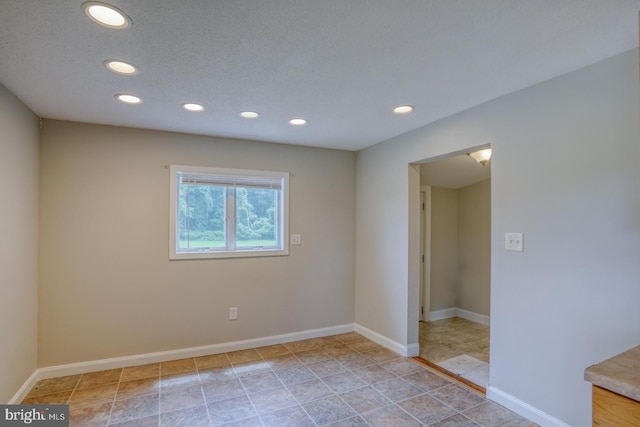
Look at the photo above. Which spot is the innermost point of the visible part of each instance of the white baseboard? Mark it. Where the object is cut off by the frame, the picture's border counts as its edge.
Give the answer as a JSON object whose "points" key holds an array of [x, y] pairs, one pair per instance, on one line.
{"points": [[404, 350], [459, 312], [447, 313], [523, 409], [164, 356], [24, 390]]}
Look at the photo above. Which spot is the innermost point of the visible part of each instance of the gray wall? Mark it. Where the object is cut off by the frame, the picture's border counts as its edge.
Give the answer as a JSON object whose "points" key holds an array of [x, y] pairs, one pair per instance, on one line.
{"points": [[565, 172], [107, 287], [474, 247], [444, 248], [461, 248], [18, 244]]}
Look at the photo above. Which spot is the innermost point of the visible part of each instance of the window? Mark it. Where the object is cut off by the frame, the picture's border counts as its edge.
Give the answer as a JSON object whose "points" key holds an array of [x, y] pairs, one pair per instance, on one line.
{"points": [[223, 213]]}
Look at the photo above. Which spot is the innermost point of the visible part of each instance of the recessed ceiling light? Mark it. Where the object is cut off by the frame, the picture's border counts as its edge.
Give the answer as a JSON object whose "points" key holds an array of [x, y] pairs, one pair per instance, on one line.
{"points": [[403, 109], [128, 99], [193, 107], [121, 67], [297, 122], [249, 114], [106, 15]]}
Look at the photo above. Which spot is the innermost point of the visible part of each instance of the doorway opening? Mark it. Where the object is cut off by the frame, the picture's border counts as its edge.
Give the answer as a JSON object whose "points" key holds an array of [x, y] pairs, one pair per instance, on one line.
{"points": [[455, 251]]}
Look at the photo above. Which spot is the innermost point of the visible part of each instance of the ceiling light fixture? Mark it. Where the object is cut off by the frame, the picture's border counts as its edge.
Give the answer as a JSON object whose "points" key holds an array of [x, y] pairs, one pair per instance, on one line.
{"points": [[106, 15], [297, 122], [193, 107], [128, 99], [249, 115], [482, 156], [120, 67], [403, 109]]}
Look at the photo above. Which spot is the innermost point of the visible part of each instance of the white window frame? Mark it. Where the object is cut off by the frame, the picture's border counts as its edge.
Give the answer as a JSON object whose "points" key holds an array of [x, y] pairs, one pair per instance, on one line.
{"points": [[200, 253]]}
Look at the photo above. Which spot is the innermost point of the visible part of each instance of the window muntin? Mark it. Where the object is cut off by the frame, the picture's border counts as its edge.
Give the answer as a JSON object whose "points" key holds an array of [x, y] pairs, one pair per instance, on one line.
{"points": [[227, 213]]}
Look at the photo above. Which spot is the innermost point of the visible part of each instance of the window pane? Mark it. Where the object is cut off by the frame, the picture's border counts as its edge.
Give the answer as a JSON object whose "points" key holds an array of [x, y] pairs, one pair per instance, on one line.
{"points": [[201, 216], [256, 217]]}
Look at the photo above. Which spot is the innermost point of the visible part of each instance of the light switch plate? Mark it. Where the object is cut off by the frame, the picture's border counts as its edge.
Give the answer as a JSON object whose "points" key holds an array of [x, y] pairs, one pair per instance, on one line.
{"points": [[514, 242], [296, 239]]}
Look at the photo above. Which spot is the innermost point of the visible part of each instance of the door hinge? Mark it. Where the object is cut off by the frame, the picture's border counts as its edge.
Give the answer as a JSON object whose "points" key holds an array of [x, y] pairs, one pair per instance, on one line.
{"points": [[422, 310], [422, 257]]}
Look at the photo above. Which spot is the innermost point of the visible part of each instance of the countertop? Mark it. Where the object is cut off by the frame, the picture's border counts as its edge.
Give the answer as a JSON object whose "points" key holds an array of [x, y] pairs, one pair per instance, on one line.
{"points": [[619, 374]]}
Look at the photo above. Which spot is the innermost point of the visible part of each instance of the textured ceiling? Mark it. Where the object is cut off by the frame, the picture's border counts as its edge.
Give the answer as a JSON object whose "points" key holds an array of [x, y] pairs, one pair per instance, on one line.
{"points": [[341, 64]]}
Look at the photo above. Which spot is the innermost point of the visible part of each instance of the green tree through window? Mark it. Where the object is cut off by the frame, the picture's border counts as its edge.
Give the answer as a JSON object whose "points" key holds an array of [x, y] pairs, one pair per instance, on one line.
{"points": [[221, 210]]}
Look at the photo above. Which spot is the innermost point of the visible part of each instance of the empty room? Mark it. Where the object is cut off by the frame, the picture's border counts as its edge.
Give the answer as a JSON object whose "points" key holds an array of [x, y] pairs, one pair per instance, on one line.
{"points": [[222, 213]]}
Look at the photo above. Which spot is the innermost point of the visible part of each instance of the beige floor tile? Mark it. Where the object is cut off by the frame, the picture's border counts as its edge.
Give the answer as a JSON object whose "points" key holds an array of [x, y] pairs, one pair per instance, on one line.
{"points": [[391, 415], [151, 370], [176, 398], [179, 380], [294, 374], [91, 415], [177, 366], [288, 417], [281, 386], [133, 388], [272, 400], [93, 379], [343, 382], [426, 409], [328, 410], [365, 399], [212, 361], [273, 351], [243, 356], [457, 397], [310, 390], [134, 408], [189, 417], [52, 399], [152, 421], [397, 389], [90, 395], [490, 414], [54, 385], [232, 409]]}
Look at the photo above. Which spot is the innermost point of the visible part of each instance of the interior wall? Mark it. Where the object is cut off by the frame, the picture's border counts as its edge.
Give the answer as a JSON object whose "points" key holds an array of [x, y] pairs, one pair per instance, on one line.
{"points": [[444, 248], [474, 247], [570, 299], [461, 248], [19, 146], [107, 287]]}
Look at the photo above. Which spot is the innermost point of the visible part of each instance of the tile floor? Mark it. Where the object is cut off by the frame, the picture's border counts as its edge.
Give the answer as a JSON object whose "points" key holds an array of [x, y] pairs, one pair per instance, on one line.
{"points": [[459, 346], [447, 338], [341, 380]]}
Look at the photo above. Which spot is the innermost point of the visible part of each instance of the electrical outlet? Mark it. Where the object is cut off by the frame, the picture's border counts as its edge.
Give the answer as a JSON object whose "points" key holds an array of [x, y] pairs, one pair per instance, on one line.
{"points": [[514, 242], [233, 313]]}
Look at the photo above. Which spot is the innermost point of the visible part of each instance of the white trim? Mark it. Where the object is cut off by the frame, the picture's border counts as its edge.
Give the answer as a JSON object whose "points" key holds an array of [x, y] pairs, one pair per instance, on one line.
{"points": [[523, 408], [282, 246], [24, 390], [459, 312], [164, 356], [474, 317], [443, 314], [404, 350]]}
